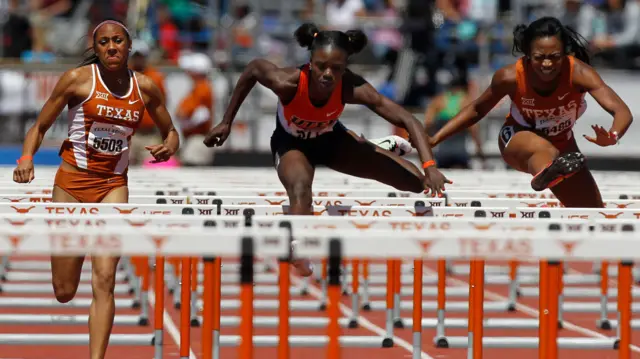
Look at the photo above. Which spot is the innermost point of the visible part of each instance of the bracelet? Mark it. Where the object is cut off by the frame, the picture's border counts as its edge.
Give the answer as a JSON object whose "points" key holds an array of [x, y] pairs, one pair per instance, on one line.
{"points": [[428, 164], [615, 135], [24, 158]]}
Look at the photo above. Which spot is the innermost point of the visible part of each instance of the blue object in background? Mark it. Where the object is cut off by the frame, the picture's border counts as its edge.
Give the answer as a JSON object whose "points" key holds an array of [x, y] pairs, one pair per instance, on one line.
{"points": [[44, 156]]}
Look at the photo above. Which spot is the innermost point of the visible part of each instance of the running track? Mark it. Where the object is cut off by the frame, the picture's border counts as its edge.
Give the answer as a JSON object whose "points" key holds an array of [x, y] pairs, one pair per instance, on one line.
{"points": [[581, 325]]}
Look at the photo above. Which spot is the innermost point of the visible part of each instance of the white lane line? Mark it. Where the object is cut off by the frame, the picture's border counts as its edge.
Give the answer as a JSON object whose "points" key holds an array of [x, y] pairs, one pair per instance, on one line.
{"points": [[314, 291], [533, 312], [168, 323]]}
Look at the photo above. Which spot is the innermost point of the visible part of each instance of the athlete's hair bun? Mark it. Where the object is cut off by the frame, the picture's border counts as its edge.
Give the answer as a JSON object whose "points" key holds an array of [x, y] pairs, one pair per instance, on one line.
{"points": [[357, 40], [305, 34]]}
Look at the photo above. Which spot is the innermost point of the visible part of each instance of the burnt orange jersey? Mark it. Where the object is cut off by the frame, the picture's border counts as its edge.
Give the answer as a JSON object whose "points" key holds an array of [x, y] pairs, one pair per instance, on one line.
{"points": [[302, 119], [101, 126], [552, 115]]}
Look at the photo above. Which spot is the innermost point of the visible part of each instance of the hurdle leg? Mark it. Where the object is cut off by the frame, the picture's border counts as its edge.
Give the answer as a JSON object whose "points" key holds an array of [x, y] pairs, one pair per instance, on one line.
{"points": [[513, 285], [366, 306], [471, 314], [555, 270], [323, 286], [333, 327], [355, 298], [245, 350], [144, 293], [158, 318], [604, 322], [217, 296], [543, 316], [417, 309], [561, 297], [284, 350], [344, 281], [441, 340], [195, 322], [397, 286], [177, 290], [185, 310], [625, 280], [207, 309], [389, 310], [478, 310]]}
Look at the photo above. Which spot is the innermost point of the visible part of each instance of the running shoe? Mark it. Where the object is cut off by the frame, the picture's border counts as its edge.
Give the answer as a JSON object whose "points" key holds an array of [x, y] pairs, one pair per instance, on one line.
{"points": [[395, 144], [561, 168]]}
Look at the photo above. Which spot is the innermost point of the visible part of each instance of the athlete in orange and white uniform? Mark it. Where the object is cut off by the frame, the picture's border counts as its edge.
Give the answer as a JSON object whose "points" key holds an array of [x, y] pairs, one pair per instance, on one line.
{"points": [[106, 102], [547, 87], [308, 131]]}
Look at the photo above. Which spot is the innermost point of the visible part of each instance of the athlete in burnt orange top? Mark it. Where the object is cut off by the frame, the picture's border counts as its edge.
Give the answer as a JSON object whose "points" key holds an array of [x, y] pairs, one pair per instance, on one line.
{"points": [[106, 102], [308, 131], [547, 88]]}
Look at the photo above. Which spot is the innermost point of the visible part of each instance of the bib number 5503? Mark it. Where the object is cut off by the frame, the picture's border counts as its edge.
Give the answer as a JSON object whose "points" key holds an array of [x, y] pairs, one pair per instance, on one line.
{"points": [[107, 144]]}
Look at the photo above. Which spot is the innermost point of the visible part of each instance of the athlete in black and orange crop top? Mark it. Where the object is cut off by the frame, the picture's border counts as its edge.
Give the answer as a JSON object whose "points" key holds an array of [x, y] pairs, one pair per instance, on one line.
{"points": [[547, 87], [308, 131]]}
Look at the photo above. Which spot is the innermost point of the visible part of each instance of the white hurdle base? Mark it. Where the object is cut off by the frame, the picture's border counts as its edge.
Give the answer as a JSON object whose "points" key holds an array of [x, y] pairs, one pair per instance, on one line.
{"points": [[39, 303], [73, 339], [532, 343], [635, 323], [19, 276], [306, 341], [65, 319], [489, 323], [34, 288], [573, 292]]}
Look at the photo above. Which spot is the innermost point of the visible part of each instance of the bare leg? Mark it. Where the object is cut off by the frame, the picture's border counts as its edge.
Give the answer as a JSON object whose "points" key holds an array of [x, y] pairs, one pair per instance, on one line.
{"points": [[65, 270], [103, 279], [296, 174]]}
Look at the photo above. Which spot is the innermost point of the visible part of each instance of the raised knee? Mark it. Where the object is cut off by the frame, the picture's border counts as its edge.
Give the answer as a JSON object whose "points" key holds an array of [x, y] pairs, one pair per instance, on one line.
{"points": [[63, 291], [103, 283]]}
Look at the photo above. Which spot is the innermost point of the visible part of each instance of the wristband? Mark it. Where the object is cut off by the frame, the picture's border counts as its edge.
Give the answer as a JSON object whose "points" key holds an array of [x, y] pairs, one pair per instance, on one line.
{"points": [[24, 158], [428, 164], [615, 135]]}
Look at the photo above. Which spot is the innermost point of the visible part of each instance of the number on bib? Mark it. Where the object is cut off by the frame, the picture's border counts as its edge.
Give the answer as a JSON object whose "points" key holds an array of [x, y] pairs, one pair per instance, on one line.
{"points": [[109, 139]]}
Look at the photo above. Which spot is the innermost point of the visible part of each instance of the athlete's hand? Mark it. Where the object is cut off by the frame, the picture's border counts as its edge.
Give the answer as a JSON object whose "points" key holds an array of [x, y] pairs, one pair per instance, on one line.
{"points": [[217, 135], [603, 137], [434, 181], [24, 172], [160, 153]]}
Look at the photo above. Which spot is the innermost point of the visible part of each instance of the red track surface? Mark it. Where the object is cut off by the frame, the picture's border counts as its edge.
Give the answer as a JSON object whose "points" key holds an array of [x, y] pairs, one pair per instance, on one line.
{"points": [[171, 350]]}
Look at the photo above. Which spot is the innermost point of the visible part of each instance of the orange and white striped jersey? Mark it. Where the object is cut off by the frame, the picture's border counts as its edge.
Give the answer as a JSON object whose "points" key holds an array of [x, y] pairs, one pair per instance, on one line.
{"points": [[101, 127], [553, 115]]}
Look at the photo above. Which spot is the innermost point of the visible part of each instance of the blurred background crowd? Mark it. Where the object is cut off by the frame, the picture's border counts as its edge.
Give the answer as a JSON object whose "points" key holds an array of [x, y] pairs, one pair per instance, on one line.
{"points": [[428, 55]]}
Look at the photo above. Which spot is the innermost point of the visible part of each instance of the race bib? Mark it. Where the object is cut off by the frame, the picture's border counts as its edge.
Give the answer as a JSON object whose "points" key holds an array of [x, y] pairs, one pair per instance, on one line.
{"points": [[306, 129], [554, 127], [109, 139]]}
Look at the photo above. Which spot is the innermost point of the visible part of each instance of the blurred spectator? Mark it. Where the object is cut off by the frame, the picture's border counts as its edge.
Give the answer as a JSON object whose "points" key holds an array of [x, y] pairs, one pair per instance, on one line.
{"points": [[58, 25], [167, 34], [342, 14], [244, 24], [195, 112], [621, 49], [452, 153], [147, 133], [386, 40], [16, 31]]}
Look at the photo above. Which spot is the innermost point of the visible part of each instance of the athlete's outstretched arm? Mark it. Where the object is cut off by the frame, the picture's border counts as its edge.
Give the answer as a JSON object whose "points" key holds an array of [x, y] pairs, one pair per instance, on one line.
{"points": [[586, 77], [278, 80], [59, 98], [501, 84], [155, 105]]}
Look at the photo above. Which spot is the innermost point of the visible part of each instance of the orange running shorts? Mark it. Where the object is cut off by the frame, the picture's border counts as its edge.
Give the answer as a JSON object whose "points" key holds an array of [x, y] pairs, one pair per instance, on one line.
{"points": [[87, 187]]}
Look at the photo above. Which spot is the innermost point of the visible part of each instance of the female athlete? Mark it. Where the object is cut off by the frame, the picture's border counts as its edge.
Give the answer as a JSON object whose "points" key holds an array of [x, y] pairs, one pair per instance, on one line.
{"points": [[547, 87], [308, 132], [106, 102]]}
